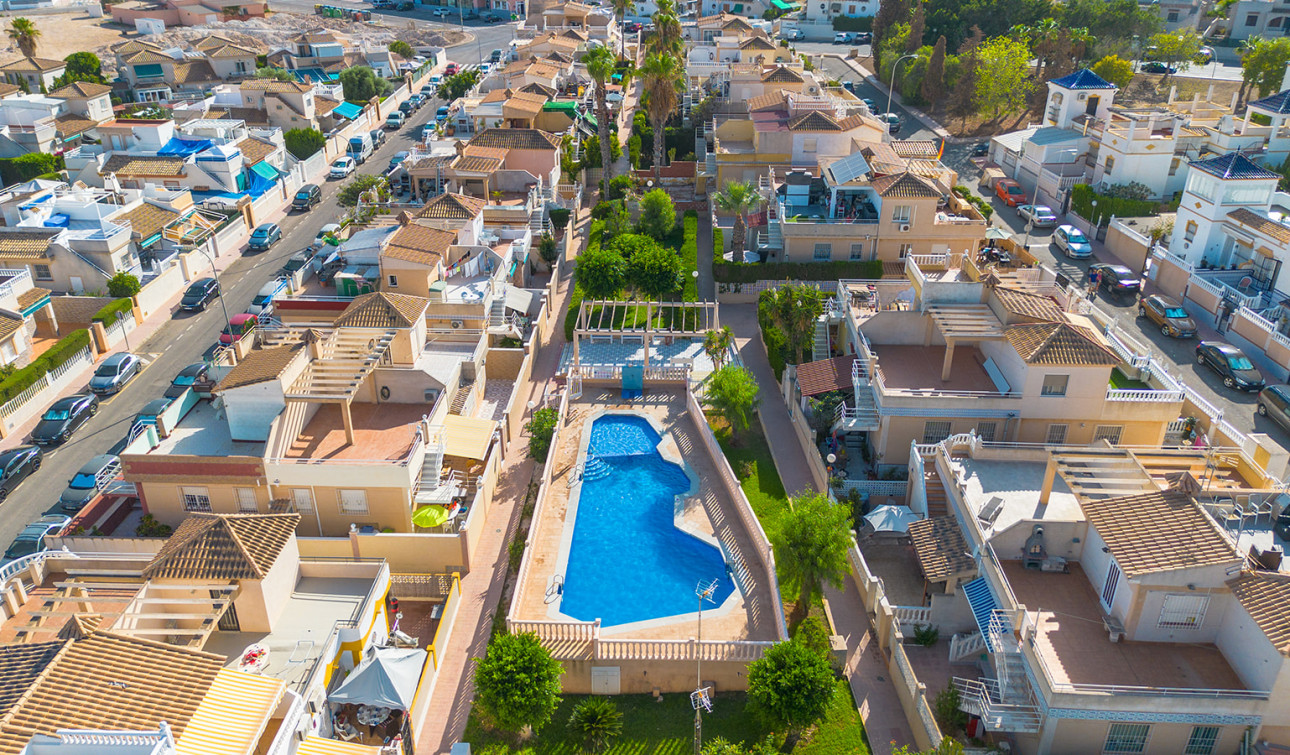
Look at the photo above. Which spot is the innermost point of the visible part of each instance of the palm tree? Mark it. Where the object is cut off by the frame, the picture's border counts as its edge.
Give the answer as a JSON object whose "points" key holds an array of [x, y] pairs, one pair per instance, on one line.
{"points": [[717, 345], [620, 9], [24, 34], [663, 76], [667, 29], [811, 549], [596, 720], [602, 64], [740, 198]]}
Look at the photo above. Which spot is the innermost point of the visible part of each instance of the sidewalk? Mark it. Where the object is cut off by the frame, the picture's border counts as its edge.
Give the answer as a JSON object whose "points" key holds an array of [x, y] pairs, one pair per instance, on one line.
{"points": [[481, 589], [866, 669]]}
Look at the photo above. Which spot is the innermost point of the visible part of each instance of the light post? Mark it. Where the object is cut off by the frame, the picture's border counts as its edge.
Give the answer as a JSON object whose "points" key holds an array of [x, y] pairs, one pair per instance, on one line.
{"points": [[891, 88], [219, 289], [1034, 200], [120, 320]]}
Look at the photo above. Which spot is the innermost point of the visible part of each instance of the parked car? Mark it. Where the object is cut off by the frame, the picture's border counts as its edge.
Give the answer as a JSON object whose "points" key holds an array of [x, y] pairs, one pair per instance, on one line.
{"points": [[1117, 279], [297, 262], [450, 69], [1204, 55], [1039, 215], [405, 6], [89, 480], [264, 237], [1231, 364], [239, 327], [981, 149], [16, 465], [63, 417], [1156, 66], [306, 197], [262, 304], [429, 90], [1274, 403], [186, 379], [394, 120], [1169, 315], [114, 372], [418, 100], [496, 55], [442, 113], [1073, 242], [891, 121], [792, 35], [378, 137], [397, 160], [32, 538], [331, 229], [440, 12], [863, 38], [1009, 191], [406, 108], [150, 411], [342, 168], [199, 295]]}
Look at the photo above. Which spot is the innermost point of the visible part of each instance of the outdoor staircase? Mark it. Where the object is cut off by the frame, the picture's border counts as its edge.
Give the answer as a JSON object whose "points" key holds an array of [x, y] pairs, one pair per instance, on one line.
{"points": [[821, 348], [596, 468], [497, 313], [937, 501], [460, 398], [774, 235], [1005, 703], [863, 413], [429, 489]]}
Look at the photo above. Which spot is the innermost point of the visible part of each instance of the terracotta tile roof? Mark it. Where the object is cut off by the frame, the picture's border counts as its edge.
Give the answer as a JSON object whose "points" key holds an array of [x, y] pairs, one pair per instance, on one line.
{"points": [[919, 148], [1266, 597], [9, 324], [516, 138], [1027, 304], [317, 37], [882, 158], [259, 366], [80, 626], [109, 681], [31, 296], [272, 85], [941, 548], [139, 165], [523, 105], [229, 51], [719, 18], [814, 120], [135, 46], [211, 42], [255, 150], [476, 164], [26, 243], [736, 24], [497, 95], [194, 71], [68, 125], [383, 310], [756, 43], [767, 102], [1262, 224], [8, 89], [558, 57], [324, 105], [1159, 531], [536, 88], [148, 55], [223, 547], [577, 9], [80, 90], [419, 244], [782, 74], [825, 375], [575, 34], [452, 207], [253, 116], [1060, 343], [147, 219], [20, 665], [905, 185], [33, 64]]}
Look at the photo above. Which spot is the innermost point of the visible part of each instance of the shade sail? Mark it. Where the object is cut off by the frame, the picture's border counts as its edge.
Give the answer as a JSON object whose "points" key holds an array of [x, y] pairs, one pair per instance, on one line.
{"points": [[891, 519], [388, 679], [348, 110], [468, 437], [319, 746], [430, 516], [265, 171], [233, 714]]}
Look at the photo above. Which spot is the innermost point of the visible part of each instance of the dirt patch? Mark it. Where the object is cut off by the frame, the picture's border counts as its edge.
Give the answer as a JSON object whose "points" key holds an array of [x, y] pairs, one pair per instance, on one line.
{"points": [[63, 34], [1151, 89]]}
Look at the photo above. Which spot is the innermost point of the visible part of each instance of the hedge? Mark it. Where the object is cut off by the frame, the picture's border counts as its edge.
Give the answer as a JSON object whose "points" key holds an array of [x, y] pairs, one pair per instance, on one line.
{"points": [[26, 167], [718, 241], [575, 296], [107, 314], [847, 23], [22, 379], [745, 272], [1083, 196], [690, 256]]}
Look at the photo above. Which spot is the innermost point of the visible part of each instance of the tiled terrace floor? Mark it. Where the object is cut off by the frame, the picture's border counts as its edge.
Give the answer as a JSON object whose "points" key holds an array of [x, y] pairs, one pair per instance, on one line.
{"points": [[919, 368], [381, 432]]}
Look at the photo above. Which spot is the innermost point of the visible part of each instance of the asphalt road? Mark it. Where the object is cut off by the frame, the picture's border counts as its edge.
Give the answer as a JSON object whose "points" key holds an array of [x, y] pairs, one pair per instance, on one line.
{"points": [[185, 340]]}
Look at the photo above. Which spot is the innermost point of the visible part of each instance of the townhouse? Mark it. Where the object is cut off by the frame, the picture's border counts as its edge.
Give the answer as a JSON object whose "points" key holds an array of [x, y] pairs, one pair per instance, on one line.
{"points": [[597, 22], [33, 75], [25, 312], [320, 56], [152, 74]]}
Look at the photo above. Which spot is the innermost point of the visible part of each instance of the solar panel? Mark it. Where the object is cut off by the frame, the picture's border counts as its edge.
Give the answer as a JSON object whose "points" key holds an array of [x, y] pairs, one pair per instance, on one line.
{"points": [[849, 168]]}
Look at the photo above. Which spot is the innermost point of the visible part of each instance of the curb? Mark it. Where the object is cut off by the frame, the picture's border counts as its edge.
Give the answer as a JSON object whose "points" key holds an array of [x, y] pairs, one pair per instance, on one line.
{"points": [[922, 117]]}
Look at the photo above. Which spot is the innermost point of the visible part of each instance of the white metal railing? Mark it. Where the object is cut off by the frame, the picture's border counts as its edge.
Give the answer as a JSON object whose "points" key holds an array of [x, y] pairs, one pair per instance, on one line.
{"points": [[984, 699], [1148, 395], [894, 488], [15, 282], [1265, 325]]}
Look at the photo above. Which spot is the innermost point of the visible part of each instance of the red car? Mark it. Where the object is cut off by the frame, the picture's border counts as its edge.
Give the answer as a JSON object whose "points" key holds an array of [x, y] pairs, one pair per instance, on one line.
{"points": [[1010, 192], [451, 70]]}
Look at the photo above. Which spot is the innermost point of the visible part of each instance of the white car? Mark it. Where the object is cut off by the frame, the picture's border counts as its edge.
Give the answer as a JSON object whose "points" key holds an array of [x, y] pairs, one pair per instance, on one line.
{"points": [[1072, 240], [342, 168], [440, 12], [792, 34], [1038, 215]]}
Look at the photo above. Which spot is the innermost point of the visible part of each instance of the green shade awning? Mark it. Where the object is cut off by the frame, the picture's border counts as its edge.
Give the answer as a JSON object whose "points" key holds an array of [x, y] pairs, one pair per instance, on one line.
{"points": [[347, 110], [430, 516], [565, 106], [783, 5], [30, 309], [591, 119], [265, 171], [147, 70]]}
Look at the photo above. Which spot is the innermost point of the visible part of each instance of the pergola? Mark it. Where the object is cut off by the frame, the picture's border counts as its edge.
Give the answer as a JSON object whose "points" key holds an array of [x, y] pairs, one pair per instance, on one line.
{"points": [[1096, 474], [969, 323], [644, 318], [179, 614]]}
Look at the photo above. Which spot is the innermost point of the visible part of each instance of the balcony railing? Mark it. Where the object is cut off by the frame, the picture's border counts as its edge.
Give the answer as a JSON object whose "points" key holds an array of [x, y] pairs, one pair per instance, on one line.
{"points": [[1148, 395]]}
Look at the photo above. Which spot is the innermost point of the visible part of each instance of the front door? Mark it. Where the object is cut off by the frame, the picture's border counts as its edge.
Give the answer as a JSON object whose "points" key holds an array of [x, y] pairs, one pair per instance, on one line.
{"points": [[1265, 272]]}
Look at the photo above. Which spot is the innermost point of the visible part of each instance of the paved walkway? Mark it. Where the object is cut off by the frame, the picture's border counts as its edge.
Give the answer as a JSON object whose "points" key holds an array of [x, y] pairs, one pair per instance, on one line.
{"points": [[481, 589], [871, 684], [707, 284]]}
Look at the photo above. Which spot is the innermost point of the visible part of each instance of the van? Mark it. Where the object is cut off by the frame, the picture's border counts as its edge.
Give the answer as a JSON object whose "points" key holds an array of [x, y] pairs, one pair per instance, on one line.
{"points": [[306, 197], [262, 304], [360, 148]]}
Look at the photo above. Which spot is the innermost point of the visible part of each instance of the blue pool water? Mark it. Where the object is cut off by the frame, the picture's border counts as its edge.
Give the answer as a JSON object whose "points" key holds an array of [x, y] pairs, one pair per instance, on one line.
{"points": [[628, 562]]}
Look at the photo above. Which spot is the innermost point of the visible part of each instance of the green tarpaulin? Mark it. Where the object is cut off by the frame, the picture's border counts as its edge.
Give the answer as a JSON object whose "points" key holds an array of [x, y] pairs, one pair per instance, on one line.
{"points": [[783, 5], [265, 171]]}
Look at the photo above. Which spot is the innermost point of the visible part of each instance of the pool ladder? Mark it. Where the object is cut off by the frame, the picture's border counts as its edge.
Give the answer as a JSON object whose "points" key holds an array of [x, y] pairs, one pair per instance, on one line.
{"points": [[596, 468]]}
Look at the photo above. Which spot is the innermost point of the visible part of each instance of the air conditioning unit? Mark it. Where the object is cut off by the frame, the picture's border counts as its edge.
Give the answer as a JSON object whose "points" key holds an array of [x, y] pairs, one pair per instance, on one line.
{"points": [[457, 324], [904, 228]]}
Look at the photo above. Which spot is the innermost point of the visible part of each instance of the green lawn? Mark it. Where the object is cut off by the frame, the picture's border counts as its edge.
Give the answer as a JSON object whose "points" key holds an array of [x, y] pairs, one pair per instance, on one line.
{"points": [[667, 728], [1122, 382], [763, 487]]}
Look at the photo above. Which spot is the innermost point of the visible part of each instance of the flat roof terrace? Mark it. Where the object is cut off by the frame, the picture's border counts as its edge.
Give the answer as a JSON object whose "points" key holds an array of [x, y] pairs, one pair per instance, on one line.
{"points": [[918, 368], [711, 512], [1076, 648], [1017, 484], [381, 432], [204, 432]]}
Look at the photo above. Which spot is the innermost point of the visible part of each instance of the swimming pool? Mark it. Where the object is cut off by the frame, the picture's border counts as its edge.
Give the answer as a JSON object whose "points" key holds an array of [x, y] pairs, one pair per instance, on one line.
{"points": [[627, 560]]}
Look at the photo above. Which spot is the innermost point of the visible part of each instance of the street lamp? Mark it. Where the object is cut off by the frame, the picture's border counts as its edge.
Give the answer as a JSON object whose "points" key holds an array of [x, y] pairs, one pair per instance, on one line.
{"points": [[219, 289], [891, 89]]}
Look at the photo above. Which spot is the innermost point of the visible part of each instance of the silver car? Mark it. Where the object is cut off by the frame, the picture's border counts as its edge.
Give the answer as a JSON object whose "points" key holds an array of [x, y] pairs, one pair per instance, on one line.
{"points": [[1038, 215], [114, 372], [1073, 242]]}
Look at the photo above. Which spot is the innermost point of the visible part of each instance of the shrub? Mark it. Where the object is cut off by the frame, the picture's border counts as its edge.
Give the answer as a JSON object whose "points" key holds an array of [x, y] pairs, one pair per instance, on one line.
{"points": [[926, 635], [517, 682], [654, 271], [399, 47], [658, 213], [150, 527], [26, 167], [596, 720], [847, 23], [742, 272], [1083, 196], [575, 296], [361, 84], [980, 204], [303, 142], [634, 150], [108, 314], [548, 250], [541, 429], [515, 553], [602, 210], [123, 284], [690, 256], [618, 187], [946, 710], [790, 686], [601, 272], [560, 217], [718, 241], [813, 634]]}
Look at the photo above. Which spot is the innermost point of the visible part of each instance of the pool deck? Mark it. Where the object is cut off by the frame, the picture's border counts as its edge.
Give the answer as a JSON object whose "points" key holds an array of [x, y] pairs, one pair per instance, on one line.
{"points": [[742, 617]]}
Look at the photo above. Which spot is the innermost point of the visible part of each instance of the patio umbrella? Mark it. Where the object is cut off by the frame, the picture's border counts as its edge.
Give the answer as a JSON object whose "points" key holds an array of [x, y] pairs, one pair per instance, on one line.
{"points": [[891, 519], [430, 516], [997, 233]]}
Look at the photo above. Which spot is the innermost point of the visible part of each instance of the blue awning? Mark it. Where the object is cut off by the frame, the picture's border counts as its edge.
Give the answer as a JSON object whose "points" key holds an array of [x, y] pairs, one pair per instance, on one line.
{"points": [[983, 604], [348, 110], [28, 310], [184, 147]]}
